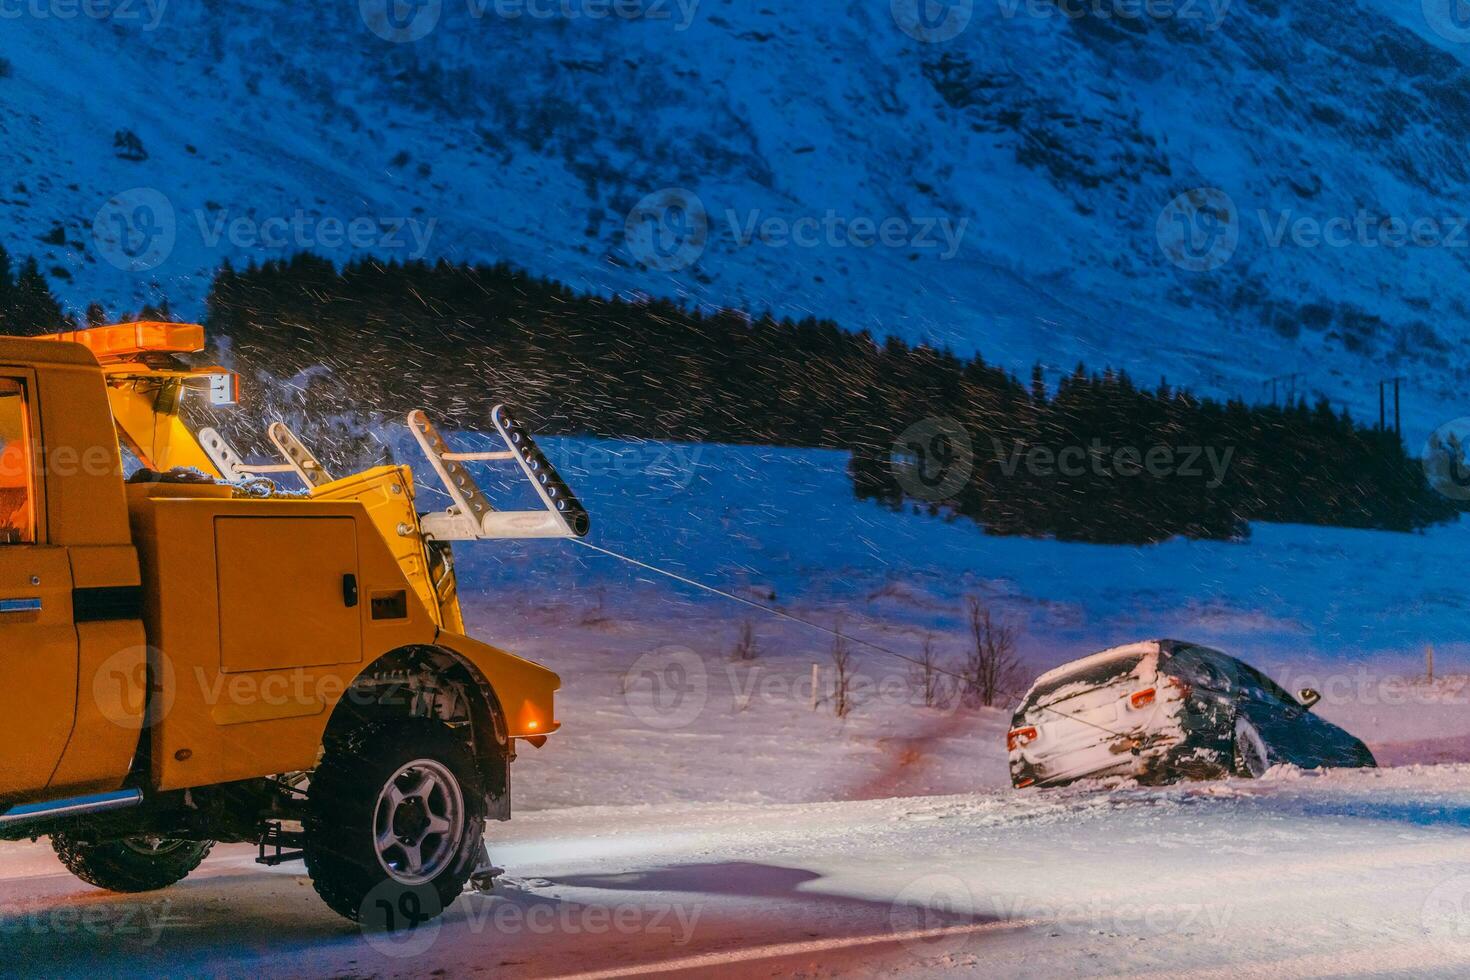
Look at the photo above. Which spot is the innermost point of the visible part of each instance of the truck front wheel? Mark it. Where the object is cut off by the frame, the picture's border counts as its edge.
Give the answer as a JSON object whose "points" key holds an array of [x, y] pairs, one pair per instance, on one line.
{"points": [[133, 864], [397, 812]]}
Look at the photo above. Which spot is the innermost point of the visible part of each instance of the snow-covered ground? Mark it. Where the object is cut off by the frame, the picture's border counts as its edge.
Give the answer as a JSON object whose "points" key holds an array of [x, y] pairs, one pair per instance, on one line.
{"points": [[701, 814], [1298, 875]]}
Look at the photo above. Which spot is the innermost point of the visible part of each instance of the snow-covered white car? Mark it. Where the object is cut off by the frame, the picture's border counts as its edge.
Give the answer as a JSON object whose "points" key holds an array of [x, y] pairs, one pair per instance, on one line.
{"points": [[1167, 710]]}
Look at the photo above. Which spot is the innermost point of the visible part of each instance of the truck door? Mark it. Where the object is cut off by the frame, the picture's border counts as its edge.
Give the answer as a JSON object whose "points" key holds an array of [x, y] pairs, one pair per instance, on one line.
{"points": [[38, 639]]}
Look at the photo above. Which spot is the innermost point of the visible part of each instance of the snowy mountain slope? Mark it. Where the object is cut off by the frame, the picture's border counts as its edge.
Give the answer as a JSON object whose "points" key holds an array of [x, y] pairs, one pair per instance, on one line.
{"points": [[1028, 165]]}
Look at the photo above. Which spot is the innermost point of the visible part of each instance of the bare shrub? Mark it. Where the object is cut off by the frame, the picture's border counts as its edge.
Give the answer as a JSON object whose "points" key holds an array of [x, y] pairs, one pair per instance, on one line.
{"points": [[990, 669], [928, 676], [746, 647], [842, 668], [597, 614], [127, 146]]}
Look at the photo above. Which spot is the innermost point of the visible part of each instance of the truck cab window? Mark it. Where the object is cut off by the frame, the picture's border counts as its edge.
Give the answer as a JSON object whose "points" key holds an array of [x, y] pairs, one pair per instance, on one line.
{"points": [[17, 504]]}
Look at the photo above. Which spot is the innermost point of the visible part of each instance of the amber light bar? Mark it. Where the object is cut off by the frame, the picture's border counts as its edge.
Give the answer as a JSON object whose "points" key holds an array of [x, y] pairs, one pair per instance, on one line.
{"points": [[126, 340]]}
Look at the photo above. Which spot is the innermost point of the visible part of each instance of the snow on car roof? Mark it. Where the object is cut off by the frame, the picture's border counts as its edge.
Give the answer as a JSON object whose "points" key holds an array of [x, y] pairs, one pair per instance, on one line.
{"points": [[1098, 659]]}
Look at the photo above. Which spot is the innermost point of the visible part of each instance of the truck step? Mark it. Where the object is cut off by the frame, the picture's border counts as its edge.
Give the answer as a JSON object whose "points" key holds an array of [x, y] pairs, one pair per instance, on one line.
{"points": [[74, 806], [277, 840]]}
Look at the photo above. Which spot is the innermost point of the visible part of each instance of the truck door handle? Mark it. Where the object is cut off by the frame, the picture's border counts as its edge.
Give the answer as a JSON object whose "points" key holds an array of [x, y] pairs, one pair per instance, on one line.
{"points": [[20, 605], [349, 591]]}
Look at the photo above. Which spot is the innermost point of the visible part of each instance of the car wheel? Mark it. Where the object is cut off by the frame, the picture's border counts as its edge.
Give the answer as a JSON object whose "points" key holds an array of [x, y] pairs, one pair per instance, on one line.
{"points": [[133, 864], [1251, 758], [397, 815]]}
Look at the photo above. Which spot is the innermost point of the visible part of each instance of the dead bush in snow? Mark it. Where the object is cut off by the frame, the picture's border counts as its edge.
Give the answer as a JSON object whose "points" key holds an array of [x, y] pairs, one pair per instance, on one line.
{"points": [[127, 146], [746, 647], [596, 615], [928, 676], [990, 669], [842, 668]]}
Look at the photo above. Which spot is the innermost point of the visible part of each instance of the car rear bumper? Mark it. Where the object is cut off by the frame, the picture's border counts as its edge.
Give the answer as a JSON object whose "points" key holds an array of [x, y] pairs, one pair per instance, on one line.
{"points": [[1122, 760]]}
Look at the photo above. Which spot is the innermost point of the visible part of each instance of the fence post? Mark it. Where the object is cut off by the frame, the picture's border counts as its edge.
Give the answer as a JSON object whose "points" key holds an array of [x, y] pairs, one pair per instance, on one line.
{"points": [[816, 683], [1429, 661]]}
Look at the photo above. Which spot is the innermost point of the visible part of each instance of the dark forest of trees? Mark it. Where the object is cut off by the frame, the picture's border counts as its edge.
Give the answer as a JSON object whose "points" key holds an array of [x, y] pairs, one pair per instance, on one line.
{"points": [[1073, 462]]}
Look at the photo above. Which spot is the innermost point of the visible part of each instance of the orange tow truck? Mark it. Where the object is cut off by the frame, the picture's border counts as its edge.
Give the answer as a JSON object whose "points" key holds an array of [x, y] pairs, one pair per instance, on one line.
{"points": [[190, 658]]}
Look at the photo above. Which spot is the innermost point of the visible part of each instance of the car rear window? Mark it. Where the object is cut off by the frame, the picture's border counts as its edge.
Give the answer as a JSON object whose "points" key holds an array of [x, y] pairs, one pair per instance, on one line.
{"points": [[1084, 678]]}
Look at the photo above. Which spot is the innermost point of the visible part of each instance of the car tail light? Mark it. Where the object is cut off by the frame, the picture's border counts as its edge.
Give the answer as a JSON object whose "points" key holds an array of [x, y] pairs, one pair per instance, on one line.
{"points": [[1028, 781], [1019, 737], [1143, 698]]}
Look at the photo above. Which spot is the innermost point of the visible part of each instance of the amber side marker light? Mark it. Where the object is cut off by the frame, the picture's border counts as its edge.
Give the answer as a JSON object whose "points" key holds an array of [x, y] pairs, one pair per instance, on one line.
{"points": [[1028, 781], [1019, 737], [1143, 698]]}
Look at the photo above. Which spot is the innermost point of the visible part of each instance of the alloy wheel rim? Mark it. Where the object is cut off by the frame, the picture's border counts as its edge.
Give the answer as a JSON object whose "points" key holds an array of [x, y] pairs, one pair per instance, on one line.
{"points": [[152, 846], [418, 822]]}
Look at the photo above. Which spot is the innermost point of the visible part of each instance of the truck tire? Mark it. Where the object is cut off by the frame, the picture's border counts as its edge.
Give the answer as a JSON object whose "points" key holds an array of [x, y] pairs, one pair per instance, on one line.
{"points": [[134, 864], [396, 818]]}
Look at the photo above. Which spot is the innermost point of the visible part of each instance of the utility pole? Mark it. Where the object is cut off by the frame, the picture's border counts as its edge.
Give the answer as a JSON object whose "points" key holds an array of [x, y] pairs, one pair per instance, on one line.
{"points": [[1290, 380], [1398, 418]]}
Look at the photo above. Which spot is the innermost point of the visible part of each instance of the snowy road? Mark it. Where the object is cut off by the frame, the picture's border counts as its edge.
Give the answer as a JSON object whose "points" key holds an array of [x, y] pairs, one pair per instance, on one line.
{"points": [[1350, 873]]}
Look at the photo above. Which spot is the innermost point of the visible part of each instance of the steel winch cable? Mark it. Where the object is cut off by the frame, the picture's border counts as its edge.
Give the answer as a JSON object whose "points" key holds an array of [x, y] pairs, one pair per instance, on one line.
{"points": [[782, 614]]}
